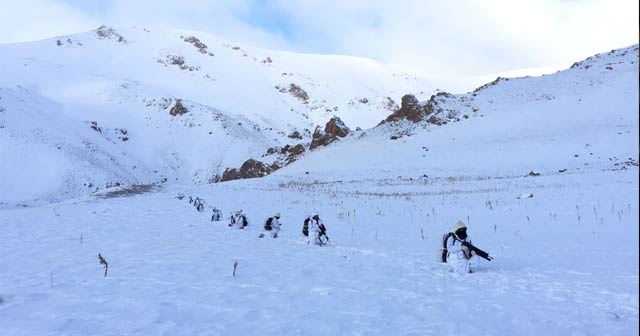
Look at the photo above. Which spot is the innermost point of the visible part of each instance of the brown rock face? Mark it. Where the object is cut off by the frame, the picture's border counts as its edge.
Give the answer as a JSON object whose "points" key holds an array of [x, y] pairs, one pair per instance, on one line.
{"points": [[410, 109], [333, 130], [430, 112], [294, 152], [249, 169], [178, 108], [337, 128]]}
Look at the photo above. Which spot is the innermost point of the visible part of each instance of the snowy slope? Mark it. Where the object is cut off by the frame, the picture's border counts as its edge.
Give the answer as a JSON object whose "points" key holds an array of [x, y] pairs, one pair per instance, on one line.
{"points": [[566, 260], [240, 101], [48, 153], [583, 118]]}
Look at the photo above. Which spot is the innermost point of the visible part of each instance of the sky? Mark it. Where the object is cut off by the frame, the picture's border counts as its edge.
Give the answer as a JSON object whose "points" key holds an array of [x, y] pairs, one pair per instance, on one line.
{"points": [[441, 39]]}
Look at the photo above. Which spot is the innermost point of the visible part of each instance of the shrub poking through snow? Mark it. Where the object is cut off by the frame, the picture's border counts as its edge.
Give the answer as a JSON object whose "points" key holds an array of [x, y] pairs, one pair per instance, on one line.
{"points": [[104, 262]]}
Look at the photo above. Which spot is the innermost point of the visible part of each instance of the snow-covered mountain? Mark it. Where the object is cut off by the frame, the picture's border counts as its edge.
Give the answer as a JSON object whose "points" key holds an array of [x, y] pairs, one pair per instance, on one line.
{"points": [[110, 107], [131, 106], [544, 171], [583, 118]]}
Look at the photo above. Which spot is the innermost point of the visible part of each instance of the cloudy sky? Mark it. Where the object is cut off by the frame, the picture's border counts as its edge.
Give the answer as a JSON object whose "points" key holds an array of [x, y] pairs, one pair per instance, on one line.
{"points": [[457, 39]]}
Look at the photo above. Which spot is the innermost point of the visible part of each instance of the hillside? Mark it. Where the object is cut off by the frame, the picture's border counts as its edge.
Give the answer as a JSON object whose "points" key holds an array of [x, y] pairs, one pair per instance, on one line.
{"points": [[133, 106], [581, 119]]}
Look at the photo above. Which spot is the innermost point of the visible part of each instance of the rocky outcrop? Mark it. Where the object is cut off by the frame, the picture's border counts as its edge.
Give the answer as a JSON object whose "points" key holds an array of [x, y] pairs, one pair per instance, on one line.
{"points": [[410, 109], [178, 61], [202, 48], [431, 112], [292, 152], [333, 130], [254, 168], [496, 81], [296, 91], [178, 108], [249, 169], [295, 135], [104, 32]]}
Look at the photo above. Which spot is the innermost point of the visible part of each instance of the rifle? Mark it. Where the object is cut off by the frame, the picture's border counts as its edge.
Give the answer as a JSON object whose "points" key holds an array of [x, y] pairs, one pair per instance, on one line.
{"points": [[323, 232], [477, 251]]}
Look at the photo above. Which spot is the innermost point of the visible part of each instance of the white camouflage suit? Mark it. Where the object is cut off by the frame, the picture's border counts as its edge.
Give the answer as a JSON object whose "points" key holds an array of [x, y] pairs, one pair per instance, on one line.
{"points": [[237, 219], [314, 231], [460, 259], [275, 227]]}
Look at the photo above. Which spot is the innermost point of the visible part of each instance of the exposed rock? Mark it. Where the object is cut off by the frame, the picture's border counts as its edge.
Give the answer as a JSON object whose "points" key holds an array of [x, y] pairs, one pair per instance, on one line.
{"points": [[67, 42], [390, 104], [95, 127], [336, 127], [105, 32], [294, 152], [179, 61], [286, 154], [333, 130], [410, 109], [202, 48], [496, 81], [434, 120], [430, 112], [296, 91], [249, 169], [178, 108], [254, 168], [272, 150], [295, 135], [123, 134]]}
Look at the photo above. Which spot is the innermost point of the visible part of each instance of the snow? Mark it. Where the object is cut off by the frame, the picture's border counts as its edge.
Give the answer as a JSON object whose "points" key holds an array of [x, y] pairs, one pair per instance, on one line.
{"points": [[565, 260], [239, 104]]}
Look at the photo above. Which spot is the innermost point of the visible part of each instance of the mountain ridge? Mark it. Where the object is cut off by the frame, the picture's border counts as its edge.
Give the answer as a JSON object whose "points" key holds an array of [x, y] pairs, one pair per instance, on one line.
{"points": [[180, 108]]}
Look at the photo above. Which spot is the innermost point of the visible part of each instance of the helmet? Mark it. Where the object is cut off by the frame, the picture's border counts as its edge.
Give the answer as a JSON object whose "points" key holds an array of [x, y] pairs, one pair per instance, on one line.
{"points": [[277, 215], [316, 217]]}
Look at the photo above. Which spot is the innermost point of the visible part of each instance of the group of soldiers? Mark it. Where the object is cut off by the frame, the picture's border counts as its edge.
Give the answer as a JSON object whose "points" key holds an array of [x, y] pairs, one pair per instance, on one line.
{"points": [[457, 250], [313, 228]]}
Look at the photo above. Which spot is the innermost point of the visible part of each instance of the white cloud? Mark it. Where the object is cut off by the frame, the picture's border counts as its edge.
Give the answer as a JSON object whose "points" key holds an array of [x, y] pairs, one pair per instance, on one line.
{"points": [[439, 38], [468, 38], [29, 20]]}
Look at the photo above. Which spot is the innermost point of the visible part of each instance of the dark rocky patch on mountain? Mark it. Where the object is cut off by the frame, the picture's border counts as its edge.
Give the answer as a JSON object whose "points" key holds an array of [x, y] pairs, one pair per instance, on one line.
{"points": [[333, 130]]}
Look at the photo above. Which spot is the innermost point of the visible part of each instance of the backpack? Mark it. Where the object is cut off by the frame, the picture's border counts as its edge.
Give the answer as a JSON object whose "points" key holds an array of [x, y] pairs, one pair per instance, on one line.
{"points": [[267, 225], [445, 253], [305, 227], [244, 221]]}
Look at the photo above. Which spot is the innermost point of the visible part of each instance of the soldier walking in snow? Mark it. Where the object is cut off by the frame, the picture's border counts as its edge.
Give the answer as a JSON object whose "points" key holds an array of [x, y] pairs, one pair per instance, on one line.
{"points": [[238, 220], [215, 216], [316, 231], [272, 226]]}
